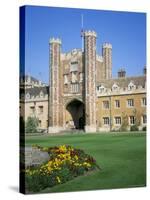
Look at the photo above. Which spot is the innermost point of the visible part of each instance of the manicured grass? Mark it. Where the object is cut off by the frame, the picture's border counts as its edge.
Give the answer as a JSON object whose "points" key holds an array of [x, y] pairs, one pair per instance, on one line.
{"points": [[121, 156]]}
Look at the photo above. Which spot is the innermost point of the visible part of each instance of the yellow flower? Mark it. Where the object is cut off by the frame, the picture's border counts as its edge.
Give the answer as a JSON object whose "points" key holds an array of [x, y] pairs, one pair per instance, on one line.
{"points": [[45, 148], [58, 179], [76, 157], [49, 168], [86, 164]]}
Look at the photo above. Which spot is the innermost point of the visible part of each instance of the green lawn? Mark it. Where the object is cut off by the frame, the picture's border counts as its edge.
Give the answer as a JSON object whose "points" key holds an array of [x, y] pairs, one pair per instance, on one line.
{"points": [[122, 158]]}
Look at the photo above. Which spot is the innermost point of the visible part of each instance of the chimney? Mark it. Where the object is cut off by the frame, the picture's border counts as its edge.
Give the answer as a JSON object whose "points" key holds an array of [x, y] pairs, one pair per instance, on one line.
{"points": [[121, 73]]}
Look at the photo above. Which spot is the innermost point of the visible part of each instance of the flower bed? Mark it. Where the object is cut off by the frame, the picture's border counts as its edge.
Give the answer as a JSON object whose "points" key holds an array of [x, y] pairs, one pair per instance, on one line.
{"points": [[64, 164]]}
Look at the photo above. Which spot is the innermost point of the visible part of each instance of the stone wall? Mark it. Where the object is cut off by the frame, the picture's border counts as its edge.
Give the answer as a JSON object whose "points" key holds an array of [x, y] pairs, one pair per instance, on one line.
{"points": [[138, 109]]}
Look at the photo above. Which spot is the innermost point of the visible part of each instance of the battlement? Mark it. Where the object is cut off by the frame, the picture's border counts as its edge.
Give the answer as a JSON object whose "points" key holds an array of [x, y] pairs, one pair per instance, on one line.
{"points": [[107, 45], [90, 33], [55, 40], [99, 58]]}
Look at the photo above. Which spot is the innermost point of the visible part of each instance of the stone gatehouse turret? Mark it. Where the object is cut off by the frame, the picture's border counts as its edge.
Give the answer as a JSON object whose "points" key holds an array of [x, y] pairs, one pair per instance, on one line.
{"points": [[90, 80], [54, 85], [72, 91]]}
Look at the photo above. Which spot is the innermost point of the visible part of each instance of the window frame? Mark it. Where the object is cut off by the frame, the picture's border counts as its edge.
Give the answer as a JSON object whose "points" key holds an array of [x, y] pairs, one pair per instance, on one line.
{"points": [[39, 109], [130, 100], [144, 121], [39, 123], [117, 119], [116, 104], [32, 109], [132, 120], [106, 121], [105, 106], [144, 103]]}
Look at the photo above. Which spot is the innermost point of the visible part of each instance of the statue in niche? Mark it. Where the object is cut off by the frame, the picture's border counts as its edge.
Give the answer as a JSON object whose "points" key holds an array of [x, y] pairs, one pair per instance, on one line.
{"points": [[74, 77], [81, 77], [65, 79]]}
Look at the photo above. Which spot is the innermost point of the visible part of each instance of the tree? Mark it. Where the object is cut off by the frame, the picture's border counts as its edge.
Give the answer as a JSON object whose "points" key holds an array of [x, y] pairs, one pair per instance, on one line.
{"points": [[137, 121], [137, 117], [125, 123], [31, 125]]}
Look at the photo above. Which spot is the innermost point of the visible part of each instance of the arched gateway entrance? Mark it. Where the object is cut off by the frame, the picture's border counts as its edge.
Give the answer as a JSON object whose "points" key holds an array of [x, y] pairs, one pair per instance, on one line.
{"points": [[75, 115]]}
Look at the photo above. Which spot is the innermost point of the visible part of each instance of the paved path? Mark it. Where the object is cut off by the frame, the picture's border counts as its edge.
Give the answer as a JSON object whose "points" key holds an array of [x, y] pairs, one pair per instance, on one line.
{"points": [[33, 156]]}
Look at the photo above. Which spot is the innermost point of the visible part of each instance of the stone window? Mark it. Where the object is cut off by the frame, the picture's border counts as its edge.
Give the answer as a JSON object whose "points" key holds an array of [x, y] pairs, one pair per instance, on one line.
{"points": [[130, 102], [74, 88], [144, 102], [118, 120], [40, 109], [27, 96], [131, 120], [115, 87], [106, 120], [106, 104], [144, 119], [39, 123], [41, 94], [117, 103], [32, 109], [74, 63], [101, 89], [74, 66], [131, 86]]}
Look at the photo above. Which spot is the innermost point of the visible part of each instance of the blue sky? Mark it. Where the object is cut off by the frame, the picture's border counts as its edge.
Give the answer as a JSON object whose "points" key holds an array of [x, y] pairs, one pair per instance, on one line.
{"points": [[126, 31]]}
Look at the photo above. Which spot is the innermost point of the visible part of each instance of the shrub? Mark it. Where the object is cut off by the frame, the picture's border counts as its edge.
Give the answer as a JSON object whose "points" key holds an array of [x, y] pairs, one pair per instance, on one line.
{"points": [[64, 164], [37, 182], [134, 128], [144, 128], [31, 125]]}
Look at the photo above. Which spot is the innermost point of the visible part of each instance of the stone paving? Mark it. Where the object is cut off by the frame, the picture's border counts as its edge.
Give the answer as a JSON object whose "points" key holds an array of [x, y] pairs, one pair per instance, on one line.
{"points": [[33, 156]]}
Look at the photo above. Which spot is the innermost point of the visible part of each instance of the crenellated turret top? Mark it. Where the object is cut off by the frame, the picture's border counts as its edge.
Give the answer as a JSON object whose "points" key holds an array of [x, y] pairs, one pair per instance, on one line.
{"points": [[107, 45], [90, 33], [55, 40]]}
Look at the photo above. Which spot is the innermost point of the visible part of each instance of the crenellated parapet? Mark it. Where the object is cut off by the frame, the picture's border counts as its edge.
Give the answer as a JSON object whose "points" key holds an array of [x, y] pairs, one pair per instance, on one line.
{"points": [[107, 45], [55, 40], [90, 33], [107, 58]]}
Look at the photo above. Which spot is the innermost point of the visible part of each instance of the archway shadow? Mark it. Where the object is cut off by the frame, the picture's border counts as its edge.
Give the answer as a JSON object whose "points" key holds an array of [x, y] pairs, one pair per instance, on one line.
{"points": [[76, 110]]}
